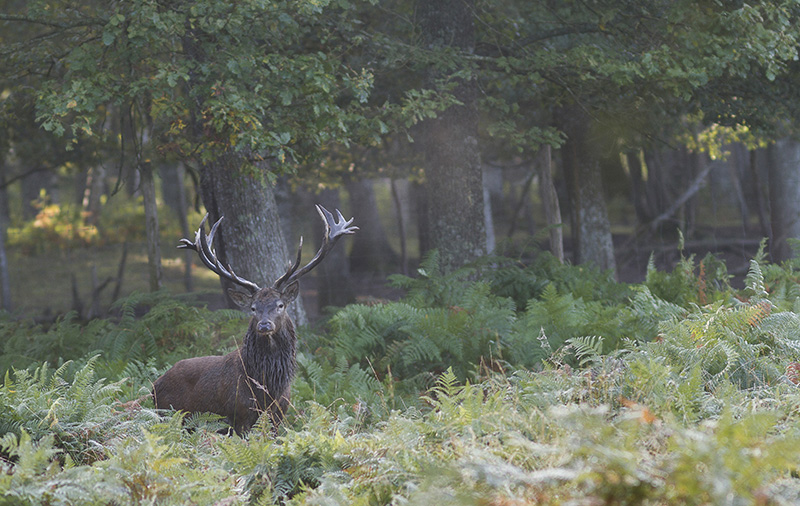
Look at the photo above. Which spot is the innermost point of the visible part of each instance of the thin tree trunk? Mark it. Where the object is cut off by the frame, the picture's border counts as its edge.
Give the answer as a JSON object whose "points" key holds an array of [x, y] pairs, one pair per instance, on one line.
{"points": [[419, 194], [92, 195], [5, 280], [401, 225], [552, 209], [180, 205], [488, 219], [637, 172], [148, 188], [523, 196], [762, 201], [737, 168]]}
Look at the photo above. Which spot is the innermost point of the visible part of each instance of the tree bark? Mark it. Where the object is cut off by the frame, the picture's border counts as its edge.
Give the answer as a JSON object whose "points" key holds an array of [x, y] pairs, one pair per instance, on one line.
{"points": [[91, 203], [401, 211], [784, 196], [642, 206], [552, 209], [250, 238], [5, 280], [759, 190], [455, 221], [148, 189], [591, 229], [174, 194]]}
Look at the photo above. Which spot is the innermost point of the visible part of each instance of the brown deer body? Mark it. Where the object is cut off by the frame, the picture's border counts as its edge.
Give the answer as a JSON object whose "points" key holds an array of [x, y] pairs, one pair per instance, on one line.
{"points": [[255, 378]]}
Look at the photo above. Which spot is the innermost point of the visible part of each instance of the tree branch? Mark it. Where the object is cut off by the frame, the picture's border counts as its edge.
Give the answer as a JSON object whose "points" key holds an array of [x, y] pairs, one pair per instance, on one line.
{"points": [[690, 191]]}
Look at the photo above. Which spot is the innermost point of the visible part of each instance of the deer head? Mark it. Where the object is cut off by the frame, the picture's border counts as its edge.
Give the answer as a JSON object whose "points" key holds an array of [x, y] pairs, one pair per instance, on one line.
{"points": [[268, 304]]}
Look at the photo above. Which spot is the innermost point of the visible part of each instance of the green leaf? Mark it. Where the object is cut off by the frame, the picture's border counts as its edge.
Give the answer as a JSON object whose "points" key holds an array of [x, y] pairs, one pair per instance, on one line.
{"points": [[108, 38]]}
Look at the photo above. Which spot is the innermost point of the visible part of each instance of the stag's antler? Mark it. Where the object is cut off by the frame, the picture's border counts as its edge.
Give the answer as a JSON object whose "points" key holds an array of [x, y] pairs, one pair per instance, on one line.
{"points": [[334, 229], [202, 245]]}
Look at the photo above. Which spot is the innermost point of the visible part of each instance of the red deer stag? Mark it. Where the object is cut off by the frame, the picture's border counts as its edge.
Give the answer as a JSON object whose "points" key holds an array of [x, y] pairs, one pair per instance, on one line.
{"points": [[257, 376]]}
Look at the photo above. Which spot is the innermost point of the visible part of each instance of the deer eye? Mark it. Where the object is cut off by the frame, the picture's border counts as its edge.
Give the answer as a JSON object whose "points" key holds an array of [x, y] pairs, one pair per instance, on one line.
{"points": [[281, 305], [253, 308]]}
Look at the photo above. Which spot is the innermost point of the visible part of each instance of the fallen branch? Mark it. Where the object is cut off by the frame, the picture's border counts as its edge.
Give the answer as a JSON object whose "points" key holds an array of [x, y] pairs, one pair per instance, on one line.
{"points": [[693, 188]]}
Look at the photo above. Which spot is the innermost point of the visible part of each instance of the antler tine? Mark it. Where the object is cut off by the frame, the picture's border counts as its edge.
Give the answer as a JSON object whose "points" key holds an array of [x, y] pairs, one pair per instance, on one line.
{"points": [[202, 245], [334, 229], [281, 280]]}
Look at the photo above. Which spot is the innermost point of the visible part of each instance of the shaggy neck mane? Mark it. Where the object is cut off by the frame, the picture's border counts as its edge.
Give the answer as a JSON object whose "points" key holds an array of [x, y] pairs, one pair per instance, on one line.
{"points": [[270, 361]]}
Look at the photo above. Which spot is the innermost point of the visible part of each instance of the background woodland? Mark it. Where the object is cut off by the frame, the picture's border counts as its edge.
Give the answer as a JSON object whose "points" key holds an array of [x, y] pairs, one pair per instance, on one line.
{"points": [[574, 281]]}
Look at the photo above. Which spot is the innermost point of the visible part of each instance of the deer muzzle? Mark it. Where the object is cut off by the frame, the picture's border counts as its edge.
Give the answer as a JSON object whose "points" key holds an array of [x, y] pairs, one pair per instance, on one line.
{"points": [[266, 327]]}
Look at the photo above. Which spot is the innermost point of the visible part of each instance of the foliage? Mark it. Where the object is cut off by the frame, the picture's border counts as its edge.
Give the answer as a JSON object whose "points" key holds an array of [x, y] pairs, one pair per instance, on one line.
{"points": [[156, 65], [574, 397], [151, 329], [54, 227], [76, 417]]}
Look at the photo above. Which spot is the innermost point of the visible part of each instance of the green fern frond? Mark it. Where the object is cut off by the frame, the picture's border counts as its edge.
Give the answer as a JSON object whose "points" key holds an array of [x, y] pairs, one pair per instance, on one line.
{"points": [[588, 349], [754, 281]]}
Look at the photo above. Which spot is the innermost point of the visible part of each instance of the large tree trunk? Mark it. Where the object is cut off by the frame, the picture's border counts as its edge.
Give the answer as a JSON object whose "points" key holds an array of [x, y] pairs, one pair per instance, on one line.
{"points": [[250, 238], [591, 230], [784, 196], [456, 221]]}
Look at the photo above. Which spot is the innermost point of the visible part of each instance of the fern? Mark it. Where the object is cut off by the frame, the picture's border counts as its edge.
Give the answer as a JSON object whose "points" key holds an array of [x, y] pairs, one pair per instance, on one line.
{"points": [[588, 350], [754, 281], [79, 415]]}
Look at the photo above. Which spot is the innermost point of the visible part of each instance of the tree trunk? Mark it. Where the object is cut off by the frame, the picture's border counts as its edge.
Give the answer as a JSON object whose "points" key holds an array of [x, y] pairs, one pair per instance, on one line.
{"points": [[371, 251], [5, 280], [419, 194], [636, 171], [591, 230], [91, 203], [173, 192], [761, 198], [456, 221], [148, 189], [488, 219], [784, 196], [552, 210], [250, 238], [401, 211]]}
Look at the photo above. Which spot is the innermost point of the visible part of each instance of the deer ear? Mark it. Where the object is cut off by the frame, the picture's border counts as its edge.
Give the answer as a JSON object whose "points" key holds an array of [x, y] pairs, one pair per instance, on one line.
{"points": [[290, 292], [240, 298]]}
